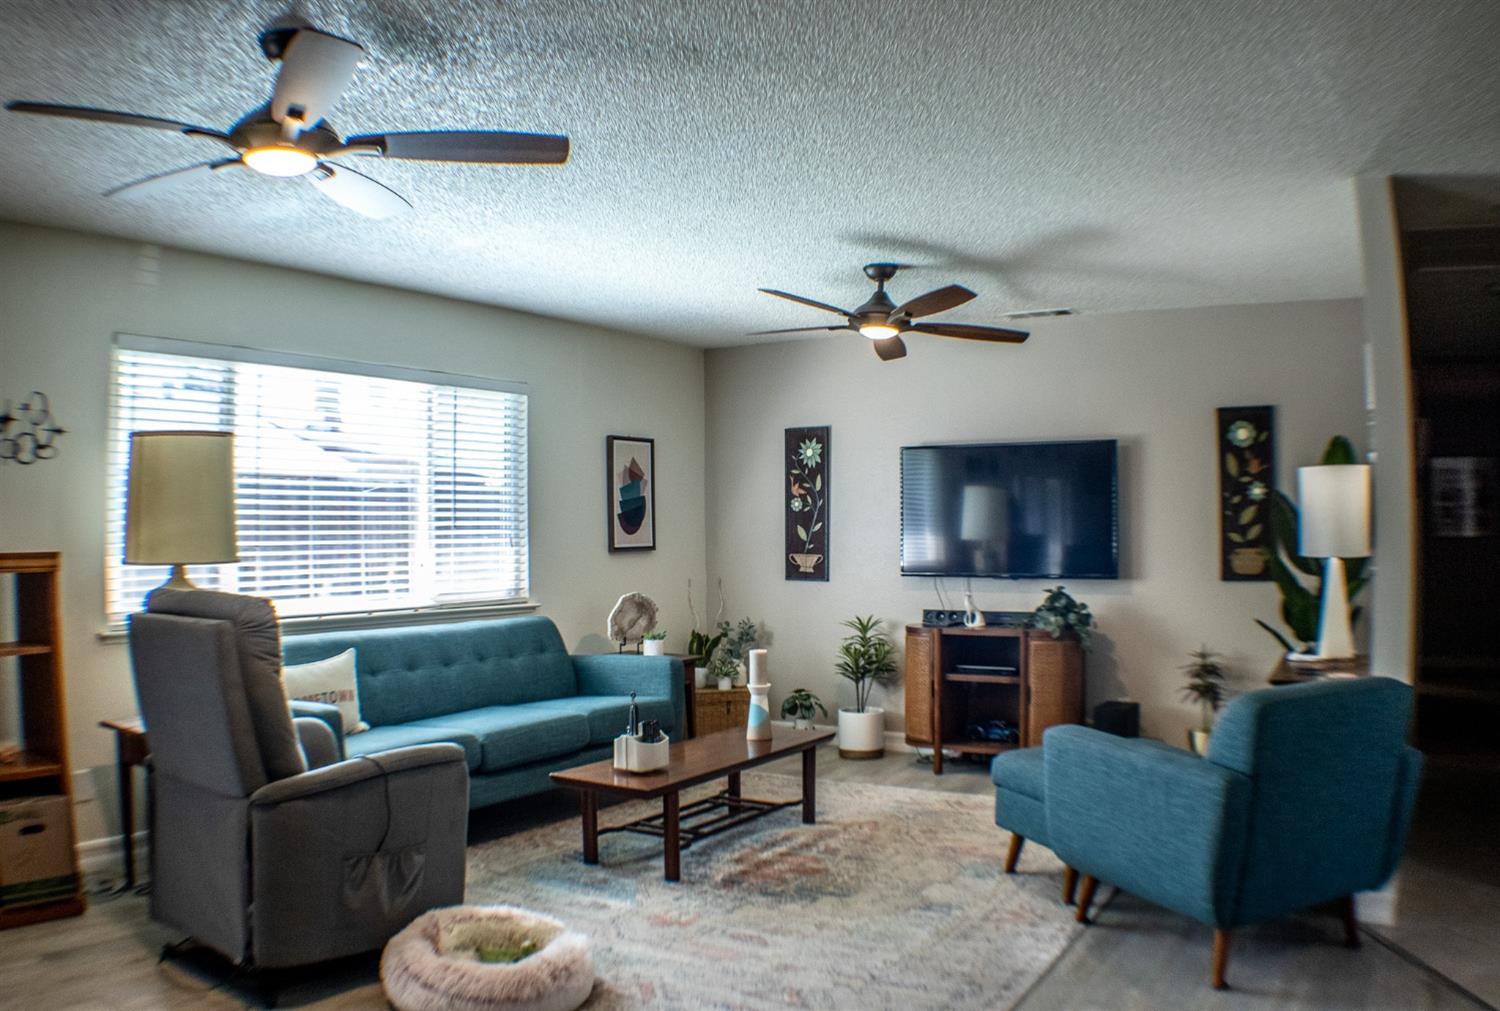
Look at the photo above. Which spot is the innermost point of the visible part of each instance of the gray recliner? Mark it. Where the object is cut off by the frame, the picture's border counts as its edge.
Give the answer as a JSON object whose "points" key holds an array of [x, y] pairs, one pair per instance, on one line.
{"points": [[266, 847]]}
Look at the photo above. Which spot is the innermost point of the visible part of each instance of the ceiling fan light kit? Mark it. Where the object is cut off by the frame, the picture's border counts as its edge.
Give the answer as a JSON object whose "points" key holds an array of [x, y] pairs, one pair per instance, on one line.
{"points": [[289, 137], [883, 321]]}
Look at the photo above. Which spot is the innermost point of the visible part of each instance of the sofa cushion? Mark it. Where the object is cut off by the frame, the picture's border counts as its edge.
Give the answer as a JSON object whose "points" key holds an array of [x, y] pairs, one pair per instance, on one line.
{"points": [[406, 734], [607, 713], [514, 735], [422, 672]]}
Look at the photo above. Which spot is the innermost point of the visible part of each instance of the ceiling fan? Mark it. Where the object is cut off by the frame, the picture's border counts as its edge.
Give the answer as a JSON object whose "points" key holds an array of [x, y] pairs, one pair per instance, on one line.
{"points": [[290, 138], [883, 321]]}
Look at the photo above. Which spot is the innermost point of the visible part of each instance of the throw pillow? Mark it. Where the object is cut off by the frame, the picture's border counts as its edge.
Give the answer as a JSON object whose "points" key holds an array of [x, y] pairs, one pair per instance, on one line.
{"points": [[329, 681]]}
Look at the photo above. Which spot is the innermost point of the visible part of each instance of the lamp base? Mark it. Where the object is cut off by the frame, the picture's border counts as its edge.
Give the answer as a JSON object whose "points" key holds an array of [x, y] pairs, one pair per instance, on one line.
{"points": [[178, 580], [1335, 636]]}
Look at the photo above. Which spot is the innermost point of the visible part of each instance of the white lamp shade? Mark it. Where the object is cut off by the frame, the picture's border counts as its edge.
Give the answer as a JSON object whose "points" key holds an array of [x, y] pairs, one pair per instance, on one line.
{"points": [[179, 505], [982, 513], [1334, 505]]}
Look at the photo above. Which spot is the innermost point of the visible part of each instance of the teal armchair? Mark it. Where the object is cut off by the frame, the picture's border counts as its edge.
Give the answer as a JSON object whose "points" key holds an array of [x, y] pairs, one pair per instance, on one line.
{"points": [[1304, 798]]}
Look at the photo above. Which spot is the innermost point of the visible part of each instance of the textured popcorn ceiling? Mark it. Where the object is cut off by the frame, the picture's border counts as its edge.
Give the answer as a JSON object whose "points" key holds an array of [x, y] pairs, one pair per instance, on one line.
{"points": [[1120, 155]]}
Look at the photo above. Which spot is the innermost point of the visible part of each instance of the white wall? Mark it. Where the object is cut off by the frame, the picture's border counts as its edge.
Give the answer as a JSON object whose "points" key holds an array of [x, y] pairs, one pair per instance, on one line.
{"points": [[1394, 606], [1151, 380], [63, 295]]}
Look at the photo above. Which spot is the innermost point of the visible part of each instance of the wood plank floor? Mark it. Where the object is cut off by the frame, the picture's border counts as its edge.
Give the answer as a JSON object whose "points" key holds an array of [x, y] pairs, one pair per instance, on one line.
{"points": [[1135, 957]]}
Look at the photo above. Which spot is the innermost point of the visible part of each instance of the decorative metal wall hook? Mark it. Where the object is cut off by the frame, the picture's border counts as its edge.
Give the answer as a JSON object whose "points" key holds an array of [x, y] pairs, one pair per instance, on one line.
{"points": [[31, 432]]}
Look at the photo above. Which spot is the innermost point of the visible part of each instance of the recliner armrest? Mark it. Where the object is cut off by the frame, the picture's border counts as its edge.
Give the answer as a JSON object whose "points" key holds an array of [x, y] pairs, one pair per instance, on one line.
{"points": [[623, 673], [1156, 821], [357, 770]]}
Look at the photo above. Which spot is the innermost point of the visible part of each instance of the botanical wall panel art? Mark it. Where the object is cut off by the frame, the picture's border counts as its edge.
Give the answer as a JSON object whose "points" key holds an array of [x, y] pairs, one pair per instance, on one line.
{"points": [[1247, 474], [806, 495], [632, 492]]}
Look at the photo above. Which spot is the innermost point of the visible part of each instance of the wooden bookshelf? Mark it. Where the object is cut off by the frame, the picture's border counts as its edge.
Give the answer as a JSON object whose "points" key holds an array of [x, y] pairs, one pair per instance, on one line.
{"points": [[42, 767]]}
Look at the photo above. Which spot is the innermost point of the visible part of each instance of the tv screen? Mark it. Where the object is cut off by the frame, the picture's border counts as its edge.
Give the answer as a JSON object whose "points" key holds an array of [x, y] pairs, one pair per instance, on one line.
{"points": [[1025, 510]]}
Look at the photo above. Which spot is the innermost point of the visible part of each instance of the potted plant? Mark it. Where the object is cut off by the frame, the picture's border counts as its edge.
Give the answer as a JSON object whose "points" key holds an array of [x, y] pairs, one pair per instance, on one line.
{"points": [[867, 657], [1205, 686], [722, 668], [739, 640], [799, 706], [1059, 613], [654, 644]]}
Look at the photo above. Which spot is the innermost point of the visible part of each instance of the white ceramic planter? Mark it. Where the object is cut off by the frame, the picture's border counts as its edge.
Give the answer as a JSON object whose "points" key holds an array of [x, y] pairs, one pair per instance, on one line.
{"points": [[862, 735], [801, 724], [700, 677], [725, 684], [654, 647]]}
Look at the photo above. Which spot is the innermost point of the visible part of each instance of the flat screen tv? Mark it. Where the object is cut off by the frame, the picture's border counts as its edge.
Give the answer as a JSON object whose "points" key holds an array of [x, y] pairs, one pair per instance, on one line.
{"points": [[1020, 510]]}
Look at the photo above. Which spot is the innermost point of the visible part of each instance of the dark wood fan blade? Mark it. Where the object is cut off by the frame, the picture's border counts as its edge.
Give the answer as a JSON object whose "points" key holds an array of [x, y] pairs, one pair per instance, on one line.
{"points": [[111, 116], [173, 177], [797, 329], [973, 333], [487, 147], [934, 301], [890, 348], [806, 301]]}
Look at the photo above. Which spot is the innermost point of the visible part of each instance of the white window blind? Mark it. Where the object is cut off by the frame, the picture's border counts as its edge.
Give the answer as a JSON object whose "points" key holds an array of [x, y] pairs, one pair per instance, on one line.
{"points": [[358, 488]]}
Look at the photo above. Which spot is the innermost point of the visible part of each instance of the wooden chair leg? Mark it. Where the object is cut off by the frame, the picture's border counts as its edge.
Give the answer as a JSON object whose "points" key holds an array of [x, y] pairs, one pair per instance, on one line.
{"points": [[1351, 922], [1221, 958], [1086, 898], [1070, 884], [1013, 853]]}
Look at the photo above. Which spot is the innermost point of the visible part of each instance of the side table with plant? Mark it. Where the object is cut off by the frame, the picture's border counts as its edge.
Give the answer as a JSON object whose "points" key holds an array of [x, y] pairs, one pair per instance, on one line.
{"points": [[1205, 686], [867, 657], [800, 706]]}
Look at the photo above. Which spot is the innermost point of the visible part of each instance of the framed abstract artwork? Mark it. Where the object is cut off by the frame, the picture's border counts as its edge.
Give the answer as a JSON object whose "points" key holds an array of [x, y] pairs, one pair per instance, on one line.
{"points": [[805, 467], [631, 464], [1247, 476]]}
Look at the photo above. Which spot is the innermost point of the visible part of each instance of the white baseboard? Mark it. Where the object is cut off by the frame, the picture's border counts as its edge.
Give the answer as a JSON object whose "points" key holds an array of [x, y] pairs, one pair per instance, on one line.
{"points": [[103, 856], [895, 740]]}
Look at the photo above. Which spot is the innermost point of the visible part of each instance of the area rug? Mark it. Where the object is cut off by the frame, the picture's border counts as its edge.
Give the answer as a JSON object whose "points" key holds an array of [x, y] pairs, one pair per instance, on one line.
{"points": [[895, 899]]}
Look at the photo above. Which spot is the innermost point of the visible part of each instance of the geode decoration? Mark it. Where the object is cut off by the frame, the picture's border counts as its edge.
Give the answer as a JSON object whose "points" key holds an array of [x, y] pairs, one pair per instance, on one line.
{"points": [[633, 616]]}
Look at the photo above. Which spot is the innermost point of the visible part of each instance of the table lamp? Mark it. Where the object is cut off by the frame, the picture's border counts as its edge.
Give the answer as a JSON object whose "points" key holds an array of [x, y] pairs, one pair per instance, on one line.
{"points": [[1334, 525], [179, 505]]}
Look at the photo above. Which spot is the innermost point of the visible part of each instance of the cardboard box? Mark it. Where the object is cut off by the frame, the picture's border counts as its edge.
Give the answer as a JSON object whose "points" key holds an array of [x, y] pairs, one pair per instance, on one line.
{"points": [[36, 851]]}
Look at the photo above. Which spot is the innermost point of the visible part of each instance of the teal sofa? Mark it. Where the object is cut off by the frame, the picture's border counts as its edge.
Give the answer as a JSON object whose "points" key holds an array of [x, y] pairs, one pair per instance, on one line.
{"points": [[1305, 798], [504, 690]]}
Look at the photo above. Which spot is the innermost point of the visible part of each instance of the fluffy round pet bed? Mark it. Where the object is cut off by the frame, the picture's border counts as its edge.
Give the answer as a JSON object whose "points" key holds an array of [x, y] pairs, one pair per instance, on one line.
{"points": [[438, 962]]}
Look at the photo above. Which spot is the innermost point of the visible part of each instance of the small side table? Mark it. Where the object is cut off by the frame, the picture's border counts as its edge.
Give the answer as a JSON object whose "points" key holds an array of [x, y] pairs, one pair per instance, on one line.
{"points": [[1288, 673], [131, 750]]}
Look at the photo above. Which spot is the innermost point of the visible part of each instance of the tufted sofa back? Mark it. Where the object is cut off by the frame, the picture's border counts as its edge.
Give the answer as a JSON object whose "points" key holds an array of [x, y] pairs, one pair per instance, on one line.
{"points": [[421, 671]]}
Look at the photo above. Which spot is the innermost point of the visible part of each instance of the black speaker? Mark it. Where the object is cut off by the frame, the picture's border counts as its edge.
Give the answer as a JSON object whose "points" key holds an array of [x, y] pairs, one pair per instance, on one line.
{"points": [[1123, 719]]}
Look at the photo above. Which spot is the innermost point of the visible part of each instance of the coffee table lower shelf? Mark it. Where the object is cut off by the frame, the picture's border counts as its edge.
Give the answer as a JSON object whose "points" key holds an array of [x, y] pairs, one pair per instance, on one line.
{"points": [[700, 760]]}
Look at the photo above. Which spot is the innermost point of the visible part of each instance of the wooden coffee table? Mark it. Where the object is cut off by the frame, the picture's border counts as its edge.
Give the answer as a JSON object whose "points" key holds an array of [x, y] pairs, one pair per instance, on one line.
{"points": [[695, 761]]}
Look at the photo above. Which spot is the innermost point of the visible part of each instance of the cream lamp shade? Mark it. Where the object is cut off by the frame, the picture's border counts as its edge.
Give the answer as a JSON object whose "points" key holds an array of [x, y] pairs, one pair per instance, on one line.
{"points": [[179, 504], [1334, 524], [1334, 505]]}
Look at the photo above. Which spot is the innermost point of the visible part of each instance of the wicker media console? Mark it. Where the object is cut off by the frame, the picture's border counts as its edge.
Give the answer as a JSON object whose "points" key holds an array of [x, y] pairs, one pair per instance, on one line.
{"points": [[958, 678]]}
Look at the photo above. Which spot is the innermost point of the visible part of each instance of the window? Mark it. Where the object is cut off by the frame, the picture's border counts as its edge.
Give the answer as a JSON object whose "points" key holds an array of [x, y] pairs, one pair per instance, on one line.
{"points": [[358, 488]]}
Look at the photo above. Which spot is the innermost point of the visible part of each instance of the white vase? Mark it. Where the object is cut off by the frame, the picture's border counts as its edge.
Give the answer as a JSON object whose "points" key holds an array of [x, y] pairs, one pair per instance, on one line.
{"points": [[700, 677], [862, 735], [802, 723], [758, 726], [725, 684], [654, 647]]}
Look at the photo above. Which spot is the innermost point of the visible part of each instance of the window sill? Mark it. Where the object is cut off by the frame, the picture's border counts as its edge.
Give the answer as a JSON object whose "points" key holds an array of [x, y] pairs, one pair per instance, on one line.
{"points": [[307, 624]]}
